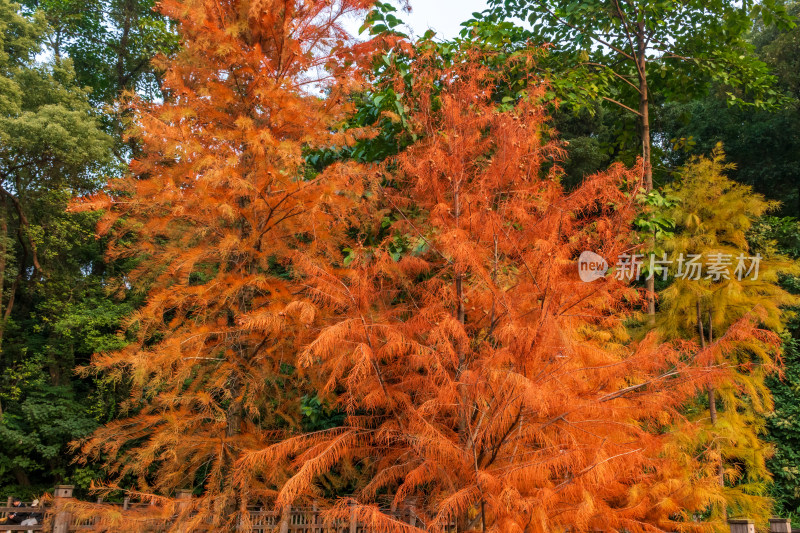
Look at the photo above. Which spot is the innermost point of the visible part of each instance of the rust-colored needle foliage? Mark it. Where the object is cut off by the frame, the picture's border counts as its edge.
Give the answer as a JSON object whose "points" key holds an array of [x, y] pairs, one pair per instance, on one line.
{"points": [[217, 206], [483, 381]]}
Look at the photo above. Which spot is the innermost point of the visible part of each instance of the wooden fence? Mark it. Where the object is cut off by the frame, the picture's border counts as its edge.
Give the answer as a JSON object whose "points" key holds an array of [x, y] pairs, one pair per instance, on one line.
{"points": [[291, 520]]}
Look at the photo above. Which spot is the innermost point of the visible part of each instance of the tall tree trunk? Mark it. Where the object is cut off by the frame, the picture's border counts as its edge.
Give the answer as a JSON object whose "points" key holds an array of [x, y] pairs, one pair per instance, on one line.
{"points": [[712, 397], [128, 13], [21, 476], [644, 104], [700, 326], [644, 112], [124, 78], [461, 317], [56, 44], [3, 253], [54, 369], [22, 263], [462, 520], [712, 393], [233, 427]]}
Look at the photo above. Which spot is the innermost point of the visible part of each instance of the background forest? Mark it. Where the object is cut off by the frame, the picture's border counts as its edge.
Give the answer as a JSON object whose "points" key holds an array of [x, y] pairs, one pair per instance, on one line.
{"points": [[715, 93]]}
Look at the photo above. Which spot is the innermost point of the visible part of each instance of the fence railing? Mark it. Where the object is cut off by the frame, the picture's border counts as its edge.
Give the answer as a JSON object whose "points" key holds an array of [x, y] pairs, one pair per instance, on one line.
{"points": [[290, 520]]}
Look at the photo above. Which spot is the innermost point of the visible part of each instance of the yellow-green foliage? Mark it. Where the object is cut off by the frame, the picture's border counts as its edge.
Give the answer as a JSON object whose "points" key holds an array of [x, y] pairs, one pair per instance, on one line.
{"points": [[714, 215]]}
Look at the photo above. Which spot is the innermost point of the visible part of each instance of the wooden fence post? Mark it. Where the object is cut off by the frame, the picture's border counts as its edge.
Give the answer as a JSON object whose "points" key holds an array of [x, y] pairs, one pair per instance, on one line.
{"points": [[780, 525], [63, 519], [353, 519], [742, 525], [184, 497], [412, 512], [285, 517]]}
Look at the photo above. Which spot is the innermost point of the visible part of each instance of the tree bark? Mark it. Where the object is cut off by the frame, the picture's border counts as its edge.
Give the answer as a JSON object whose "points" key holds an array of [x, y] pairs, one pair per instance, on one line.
{"points": [[22, 264], [462, 520], [700, 326], [712, 397], [644, 112], [24, 226], [3, 253], [644, 104], [128, 13], [461, 317], [21, 476], [233, 427], [124, 76], [712, 394]]}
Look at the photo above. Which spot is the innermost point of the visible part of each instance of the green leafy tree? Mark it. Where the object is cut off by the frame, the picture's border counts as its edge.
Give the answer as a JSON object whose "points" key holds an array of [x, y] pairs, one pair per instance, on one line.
{"points": [[783, 424], [627, 50], [111, 43], [50, 141], [764, 144], [54, 307], [783, 429]]}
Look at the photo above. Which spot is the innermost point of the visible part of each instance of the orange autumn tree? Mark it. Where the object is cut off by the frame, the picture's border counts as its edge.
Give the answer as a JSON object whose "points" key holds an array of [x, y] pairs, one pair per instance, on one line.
{"points": [[218, 206], [485, 384]]}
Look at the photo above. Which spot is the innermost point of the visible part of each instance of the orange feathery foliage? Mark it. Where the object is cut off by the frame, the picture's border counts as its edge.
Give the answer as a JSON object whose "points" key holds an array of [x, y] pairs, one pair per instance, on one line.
{"points": [[483, 381], [218, 205]]}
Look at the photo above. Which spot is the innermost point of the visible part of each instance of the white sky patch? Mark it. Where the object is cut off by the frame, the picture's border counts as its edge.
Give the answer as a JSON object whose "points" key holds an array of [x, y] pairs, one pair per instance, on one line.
{"points": [[443, 16]]}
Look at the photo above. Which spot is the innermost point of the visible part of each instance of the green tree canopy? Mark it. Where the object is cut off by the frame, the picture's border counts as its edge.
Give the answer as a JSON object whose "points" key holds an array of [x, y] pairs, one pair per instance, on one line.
{"points": [[54, 308], [626, 51]]}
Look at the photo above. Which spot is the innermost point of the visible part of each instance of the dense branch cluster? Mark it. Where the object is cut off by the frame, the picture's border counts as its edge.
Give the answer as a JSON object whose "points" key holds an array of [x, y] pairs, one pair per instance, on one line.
{"points": [[434, 300]]}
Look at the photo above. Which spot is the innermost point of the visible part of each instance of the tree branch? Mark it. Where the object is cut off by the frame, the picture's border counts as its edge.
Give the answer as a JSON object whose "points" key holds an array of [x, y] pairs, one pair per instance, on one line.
{"points": [[622, 105], [23, 220], [615, 73], [626, 26], [589, 34]]}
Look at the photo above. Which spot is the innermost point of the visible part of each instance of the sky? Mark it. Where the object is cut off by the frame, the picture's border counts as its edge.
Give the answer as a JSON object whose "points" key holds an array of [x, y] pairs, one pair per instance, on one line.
{"points": [[444, 16]]}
